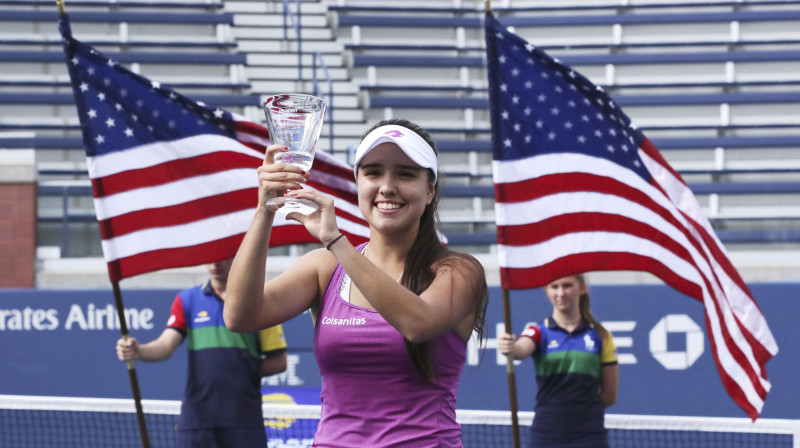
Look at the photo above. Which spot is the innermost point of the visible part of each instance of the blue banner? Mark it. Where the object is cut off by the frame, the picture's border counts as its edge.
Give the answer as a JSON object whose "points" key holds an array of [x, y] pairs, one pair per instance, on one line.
{"points": [[61, 343]]}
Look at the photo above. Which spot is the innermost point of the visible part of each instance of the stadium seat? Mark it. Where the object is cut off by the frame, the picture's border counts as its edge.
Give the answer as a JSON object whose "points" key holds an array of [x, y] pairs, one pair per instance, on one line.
{"points": [[100, 42], [713, 84], [128, 57], [53, 83], [183, 18], [361, 60], [104, 4], [67, 98], [518, 21]]}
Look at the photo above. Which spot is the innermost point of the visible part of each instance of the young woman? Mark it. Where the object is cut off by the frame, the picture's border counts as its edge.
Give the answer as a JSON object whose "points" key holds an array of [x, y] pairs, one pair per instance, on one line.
{"points": [[391, 317], [576, 369]]}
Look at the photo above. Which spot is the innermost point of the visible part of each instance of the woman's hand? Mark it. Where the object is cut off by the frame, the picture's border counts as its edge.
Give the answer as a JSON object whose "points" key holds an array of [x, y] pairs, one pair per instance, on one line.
{"points": [[127, 349], [274, 179], [505, 343], [322, 222]]}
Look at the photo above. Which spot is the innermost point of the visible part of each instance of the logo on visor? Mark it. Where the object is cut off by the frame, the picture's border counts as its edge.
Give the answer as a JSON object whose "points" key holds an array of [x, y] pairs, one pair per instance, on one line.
{"points": [[394, 133]]}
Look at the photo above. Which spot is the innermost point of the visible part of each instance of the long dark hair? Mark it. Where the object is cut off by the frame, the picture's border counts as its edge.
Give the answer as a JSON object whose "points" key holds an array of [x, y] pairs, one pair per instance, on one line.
{"points": [[429, 255]]}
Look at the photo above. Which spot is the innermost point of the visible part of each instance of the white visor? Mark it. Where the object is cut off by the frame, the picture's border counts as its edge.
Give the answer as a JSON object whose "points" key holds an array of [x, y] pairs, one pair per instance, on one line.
{"points": [[415, 147]]}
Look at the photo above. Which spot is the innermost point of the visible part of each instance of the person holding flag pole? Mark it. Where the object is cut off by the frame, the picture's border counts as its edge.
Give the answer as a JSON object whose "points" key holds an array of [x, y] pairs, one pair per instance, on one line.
{"points": [[221, 406], [506, 302], [579, 188], [170, 176], [123, 326], [576, 369]]}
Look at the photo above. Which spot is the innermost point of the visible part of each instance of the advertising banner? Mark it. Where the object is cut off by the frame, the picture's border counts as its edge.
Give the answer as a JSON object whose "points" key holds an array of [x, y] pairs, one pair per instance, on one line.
{"points": [[61, 343]]}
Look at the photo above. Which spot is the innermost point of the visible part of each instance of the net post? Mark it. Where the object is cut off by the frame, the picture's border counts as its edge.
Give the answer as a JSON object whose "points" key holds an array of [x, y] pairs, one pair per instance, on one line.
{"points": [[512, 381], [137, 396]]}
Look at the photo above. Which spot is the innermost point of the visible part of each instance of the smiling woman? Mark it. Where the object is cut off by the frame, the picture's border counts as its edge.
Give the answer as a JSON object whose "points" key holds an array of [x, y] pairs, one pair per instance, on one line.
{"points": [[392, 317]]}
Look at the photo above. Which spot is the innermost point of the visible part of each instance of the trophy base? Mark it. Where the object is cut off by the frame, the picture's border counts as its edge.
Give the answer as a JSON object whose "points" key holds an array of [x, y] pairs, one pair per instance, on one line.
{"points": [[286, 205]]}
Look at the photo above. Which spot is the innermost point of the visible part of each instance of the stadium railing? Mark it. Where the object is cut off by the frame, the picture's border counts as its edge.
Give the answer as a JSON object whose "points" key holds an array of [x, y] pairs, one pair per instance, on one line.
{"points": [[68, 98], [416, 21], [665, 143], [479, 145], [147, 4], [428, 47], [128, 57], [68, 192], [98, 42], [55, 82], [183, 18], [661, 58], [450, 102], [514, 7]]}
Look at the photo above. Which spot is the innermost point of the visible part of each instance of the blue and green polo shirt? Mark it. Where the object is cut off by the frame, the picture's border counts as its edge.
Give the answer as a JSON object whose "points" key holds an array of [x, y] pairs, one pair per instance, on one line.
{"points": [[223, 388], [568, 368]]}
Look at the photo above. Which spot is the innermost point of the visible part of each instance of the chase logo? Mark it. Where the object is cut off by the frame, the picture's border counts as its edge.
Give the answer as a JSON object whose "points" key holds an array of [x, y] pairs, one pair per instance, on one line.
{"points": [[202, 316]]}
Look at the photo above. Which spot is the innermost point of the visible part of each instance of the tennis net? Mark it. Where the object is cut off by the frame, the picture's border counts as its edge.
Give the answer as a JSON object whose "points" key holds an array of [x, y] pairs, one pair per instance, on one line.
{"points": [[47, 422]]}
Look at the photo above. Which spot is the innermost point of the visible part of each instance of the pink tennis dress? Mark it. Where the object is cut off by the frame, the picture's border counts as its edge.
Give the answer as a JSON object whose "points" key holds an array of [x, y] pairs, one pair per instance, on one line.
{"points": [[371, 394]]}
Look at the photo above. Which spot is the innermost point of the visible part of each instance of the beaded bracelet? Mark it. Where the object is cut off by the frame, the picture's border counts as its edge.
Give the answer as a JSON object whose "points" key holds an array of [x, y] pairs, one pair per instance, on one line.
{"points": [[335, 240]]}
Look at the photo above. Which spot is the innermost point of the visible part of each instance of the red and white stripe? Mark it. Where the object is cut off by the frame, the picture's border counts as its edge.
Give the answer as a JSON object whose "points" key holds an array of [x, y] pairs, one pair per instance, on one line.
{"points": [[564, 213], [190, 201]]}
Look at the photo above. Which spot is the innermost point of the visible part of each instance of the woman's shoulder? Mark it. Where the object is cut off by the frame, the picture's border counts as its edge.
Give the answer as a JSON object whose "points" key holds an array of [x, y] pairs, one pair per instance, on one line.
{"points": [[460, 263], [320, 260]]}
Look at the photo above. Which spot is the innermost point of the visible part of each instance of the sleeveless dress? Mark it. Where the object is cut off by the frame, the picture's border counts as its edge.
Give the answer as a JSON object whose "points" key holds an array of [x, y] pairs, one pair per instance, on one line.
{"points": [[372, 396]]}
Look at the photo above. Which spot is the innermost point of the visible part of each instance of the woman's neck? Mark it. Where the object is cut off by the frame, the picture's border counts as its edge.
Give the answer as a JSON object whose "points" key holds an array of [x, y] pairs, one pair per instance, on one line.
{"points": [[388, 261], [567, 320], [387, 251], [219, 288]]}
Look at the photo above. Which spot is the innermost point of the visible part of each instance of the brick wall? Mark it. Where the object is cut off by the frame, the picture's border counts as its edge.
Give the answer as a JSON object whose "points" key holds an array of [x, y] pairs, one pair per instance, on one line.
{"points": [[17, 219]]}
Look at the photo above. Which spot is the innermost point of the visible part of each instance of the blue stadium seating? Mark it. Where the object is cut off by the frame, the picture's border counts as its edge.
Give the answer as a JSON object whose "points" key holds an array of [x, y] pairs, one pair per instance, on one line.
{"points": [[449, 102], [685, 86], [27, 82], [611, 47], [127, 57], [767, 134], [727, 236], [183, 18], [67, 98], [665, 143], [591, 6], [490, 237], [382, 21], [722, 188], [118, 4], [131, 43], [363, 60]]}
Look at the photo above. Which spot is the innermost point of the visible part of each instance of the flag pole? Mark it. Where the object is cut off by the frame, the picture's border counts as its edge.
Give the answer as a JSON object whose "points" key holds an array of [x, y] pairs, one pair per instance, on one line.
{"points": [[123, 326], [137, 396], [512, 381]]}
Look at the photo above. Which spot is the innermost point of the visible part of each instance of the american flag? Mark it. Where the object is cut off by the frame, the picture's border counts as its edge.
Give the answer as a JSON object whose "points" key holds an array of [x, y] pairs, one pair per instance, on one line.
{"points": [[173, 179], [578, 188]]}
